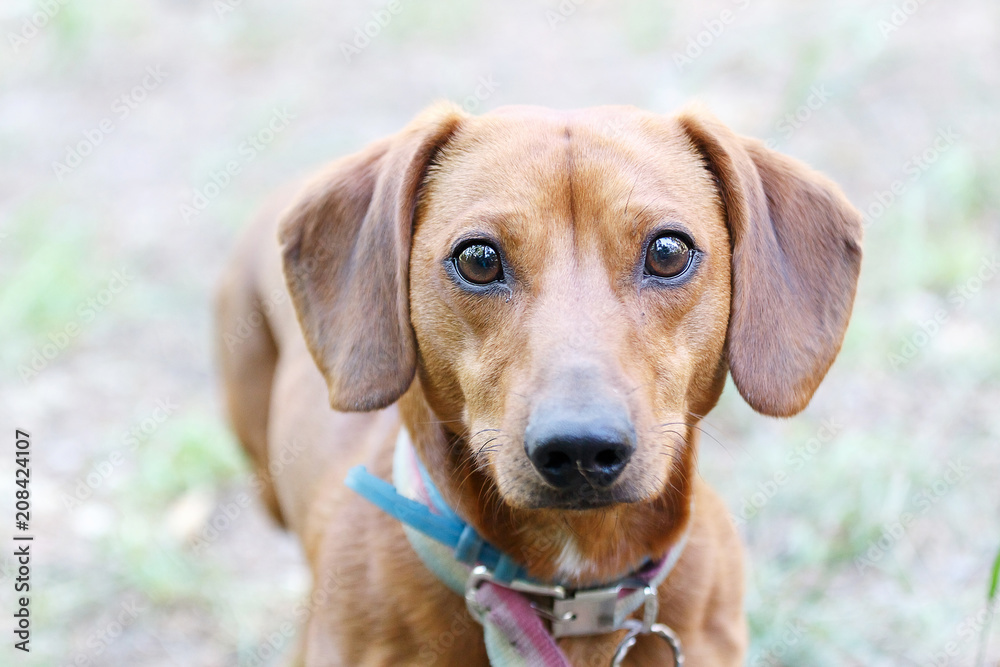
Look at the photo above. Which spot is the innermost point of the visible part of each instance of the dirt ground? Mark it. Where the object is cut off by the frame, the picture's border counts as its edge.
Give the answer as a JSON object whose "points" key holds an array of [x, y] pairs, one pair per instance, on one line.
{"points": [[871, 520]]}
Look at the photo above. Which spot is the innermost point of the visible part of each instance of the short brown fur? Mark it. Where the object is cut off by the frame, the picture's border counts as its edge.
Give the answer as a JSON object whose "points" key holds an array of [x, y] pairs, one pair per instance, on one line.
{"points": [[390, 336]]}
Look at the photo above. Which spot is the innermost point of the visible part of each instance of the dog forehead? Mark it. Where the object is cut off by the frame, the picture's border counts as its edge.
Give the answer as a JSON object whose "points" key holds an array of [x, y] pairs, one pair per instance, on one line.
{"points": [[531, 161]]}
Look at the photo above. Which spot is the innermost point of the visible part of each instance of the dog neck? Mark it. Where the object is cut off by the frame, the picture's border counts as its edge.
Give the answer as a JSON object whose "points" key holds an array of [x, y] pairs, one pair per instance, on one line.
{"points": [[576, 547]]}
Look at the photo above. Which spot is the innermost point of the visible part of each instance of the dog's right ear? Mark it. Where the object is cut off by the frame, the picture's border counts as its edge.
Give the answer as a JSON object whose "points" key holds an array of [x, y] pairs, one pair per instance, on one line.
{"points": [[346, 252]]}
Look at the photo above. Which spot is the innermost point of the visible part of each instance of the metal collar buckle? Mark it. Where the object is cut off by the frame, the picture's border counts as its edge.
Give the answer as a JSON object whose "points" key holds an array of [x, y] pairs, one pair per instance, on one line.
{"points": [[595, 611], [481, 574], [585, 612]]}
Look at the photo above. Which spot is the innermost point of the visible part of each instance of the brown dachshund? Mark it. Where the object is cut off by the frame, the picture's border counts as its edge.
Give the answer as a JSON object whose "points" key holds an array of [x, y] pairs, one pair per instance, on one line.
{"points": [[548, 302]]}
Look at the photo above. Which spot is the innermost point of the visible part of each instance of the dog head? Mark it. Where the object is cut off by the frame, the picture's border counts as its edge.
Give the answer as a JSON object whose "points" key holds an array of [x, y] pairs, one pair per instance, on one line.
{"points": [[569, 290]]}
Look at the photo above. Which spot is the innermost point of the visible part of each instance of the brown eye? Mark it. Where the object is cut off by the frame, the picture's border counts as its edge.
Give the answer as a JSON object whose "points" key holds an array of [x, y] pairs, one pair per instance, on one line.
{"points": [[667, 256], [479, 263]]}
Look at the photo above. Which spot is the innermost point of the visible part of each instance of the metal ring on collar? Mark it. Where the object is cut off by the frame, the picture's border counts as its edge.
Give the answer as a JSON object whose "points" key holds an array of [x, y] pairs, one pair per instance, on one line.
{"points": [[660, 630]]}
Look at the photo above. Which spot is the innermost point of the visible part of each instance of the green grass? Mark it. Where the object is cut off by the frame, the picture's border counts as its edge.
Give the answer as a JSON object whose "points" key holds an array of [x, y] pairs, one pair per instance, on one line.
{"points": [[991, 601], [192, 451], [55, 271], [901, 425]]}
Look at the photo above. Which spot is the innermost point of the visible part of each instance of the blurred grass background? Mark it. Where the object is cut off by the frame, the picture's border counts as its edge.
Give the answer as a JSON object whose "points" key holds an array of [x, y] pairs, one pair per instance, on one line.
{"points": [[130, 568]]}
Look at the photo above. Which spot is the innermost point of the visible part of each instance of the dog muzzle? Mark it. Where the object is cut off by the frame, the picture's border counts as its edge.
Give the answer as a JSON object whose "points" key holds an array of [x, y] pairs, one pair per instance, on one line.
{"points": [[511, 607]]}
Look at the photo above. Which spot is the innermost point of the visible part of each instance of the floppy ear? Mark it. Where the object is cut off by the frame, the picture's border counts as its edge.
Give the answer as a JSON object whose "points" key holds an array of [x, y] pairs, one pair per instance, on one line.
{"points": [[796, 254], [346, 252]]}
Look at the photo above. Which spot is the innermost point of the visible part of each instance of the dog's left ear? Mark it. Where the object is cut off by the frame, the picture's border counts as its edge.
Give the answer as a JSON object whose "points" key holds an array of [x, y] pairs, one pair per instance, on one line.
{"points": [[796, 254], [346, 251]]}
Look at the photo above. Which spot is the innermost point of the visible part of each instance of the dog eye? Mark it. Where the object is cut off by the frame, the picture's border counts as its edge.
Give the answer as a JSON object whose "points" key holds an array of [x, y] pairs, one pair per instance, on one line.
{"points": [[479, 263], [667, 256]]}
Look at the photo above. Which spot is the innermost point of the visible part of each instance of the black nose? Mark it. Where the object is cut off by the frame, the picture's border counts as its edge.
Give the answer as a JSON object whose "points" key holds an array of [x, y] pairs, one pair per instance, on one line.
{"points": [[571, 453]]}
